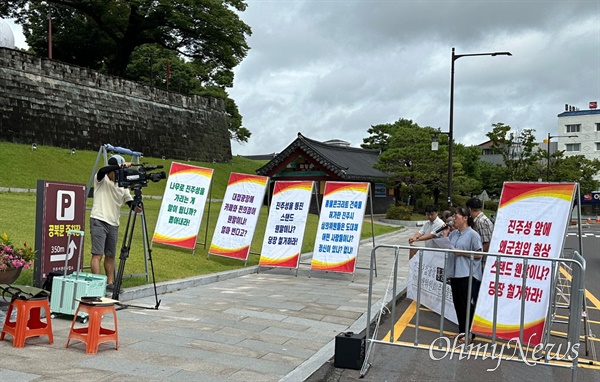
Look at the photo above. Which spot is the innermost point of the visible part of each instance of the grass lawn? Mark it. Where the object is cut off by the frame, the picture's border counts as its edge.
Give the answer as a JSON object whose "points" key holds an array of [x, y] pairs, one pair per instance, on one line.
{"points": [[23, 166]]}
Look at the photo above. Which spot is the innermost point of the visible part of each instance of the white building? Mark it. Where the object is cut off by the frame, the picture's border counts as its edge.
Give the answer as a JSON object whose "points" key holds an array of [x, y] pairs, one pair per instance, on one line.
{"points": [[579, 132]]}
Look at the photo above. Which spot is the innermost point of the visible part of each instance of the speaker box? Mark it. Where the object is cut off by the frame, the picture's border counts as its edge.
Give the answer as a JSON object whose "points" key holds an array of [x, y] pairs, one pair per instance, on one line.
{"points": [[349, 350]]}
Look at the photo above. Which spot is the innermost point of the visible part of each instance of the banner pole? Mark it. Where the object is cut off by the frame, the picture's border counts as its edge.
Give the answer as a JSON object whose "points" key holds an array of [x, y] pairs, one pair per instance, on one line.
{"points": [[372, 225]]}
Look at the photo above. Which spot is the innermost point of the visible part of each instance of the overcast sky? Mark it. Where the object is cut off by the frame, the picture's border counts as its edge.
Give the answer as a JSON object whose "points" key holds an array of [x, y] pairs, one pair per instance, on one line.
{"points": [[330, 69]]}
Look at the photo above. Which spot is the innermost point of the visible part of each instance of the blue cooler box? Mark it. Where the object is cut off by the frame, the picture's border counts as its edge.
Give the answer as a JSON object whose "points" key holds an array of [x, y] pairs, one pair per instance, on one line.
{"points": [[67, 289]]}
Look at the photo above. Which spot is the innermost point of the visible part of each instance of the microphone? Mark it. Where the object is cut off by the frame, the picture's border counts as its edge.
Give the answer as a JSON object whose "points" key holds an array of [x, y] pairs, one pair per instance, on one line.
{"points": [[445, 226]]}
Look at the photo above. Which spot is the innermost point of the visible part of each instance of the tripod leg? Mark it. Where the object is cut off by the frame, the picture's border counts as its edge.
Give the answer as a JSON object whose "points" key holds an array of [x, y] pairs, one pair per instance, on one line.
{"points": [[149, 257], [127, 238]]}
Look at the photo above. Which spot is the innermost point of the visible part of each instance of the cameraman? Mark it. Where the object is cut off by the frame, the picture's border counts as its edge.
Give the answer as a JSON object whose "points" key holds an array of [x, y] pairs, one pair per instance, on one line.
{"points": [[105, 216]]}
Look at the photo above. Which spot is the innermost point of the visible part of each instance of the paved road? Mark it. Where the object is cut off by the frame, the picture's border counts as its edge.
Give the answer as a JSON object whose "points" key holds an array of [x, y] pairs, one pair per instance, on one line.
{"points": [[392, 363]]}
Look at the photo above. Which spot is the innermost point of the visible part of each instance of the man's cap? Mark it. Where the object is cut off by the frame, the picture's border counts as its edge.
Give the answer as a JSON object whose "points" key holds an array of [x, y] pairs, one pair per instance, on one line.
{"points": [[116, 159]]}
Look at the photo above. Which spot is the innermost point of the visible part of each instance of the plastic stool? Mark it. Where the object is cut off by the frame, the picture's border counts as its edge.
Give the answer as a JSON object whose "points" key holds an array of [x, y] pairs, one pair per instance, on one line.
{"points": [[28, 322], [94, 334]]}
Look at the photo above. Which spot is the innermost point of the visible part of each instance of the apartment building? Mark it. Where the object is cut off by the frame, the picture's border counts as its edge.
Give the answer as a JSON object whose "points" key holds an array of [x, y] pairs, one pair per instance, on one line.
{"points": [[579, 131]]}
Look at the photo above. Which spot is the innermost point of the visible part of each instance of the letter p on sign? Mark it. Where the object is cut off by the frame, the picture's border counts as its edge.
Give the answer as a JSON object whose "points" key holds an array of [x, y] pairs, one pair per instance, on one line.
{"points": [[65, 205]]}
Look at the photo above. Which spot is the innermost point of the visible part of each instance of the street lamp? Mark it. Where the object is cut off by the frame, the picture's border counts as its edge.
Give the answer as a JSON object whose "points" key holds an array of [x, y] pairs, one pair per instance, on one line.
{"points": [[451, 128], [548, 160], [49, 17]]}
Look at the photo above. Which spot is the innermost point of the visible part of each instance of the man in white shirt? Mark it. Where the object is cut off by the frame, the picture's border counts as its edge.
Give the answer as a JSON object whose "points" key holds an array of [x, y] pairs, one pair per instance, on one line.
{"points": [[105, 217], [428, 231]]}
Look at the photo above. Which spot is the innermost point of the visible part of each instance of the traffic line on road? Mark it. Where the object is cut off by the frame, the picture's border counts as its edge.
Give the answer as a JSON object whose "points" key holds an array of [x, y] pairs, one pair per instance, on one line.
{"points": [[588, 294], [403, 322]]}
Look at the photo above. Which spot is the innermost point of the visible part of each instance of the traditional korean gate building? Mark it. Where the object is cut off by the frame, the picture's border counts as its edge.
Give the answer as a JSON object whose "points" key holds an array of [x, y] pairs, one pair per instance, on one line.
{"points": [[307, 159]]}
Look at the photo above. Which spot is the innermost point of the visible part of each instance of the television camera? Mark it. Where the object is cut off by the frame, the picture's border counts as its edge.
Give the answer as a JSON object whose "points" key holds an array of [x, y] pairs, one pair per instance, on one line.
{"points": [[138, 177]]}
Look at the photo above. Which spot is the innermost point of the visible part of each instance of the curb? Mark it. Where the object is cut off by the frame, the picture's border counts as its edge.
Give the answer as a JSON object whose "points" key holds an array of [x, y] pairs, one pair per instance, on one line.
{"points": [[163, 287]]}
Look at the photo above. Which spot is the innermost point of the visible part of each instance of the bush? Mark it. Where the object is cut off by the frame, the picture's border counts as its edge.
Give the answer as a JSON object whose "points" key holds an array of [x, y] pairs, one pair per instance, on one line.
{"points": [[490, 205], [401, 212], [460, 200]]}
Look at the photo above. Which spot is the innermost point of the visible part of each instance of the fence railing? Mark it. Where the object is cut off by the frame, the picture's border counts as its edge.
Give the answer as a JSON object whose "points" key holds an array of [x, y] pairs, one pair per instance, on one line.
{"points": [[576, 294]]}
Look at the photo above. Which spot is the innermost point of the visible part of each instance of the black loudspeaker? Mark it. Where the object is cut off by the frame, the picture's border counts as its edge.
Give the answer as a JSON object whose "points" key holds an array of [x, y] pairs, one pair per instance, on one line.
{"points": [[349, 350]]}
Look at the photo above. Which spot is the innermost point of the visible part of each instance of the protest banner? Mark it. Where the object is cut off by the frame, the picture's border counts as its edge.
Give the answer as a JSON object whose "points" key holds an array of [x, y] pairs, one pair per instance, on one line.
{"points": [[239, 215], [532, 221], [282, 243], [432, 282], [182, 205], [340, 226]]}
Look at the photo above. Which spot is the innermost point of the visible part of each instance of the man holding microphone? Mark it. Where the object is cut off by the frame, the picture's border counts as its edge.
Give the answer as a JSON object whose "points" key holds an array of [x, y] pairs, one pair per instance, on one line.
{"points": [[430, 230]]}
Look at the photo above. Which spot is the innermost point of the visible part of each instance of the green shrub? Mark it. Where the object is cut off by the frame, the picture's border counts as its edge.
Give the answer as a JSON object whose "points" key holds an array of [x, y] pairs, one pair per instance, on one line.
{"points": [[490, 205], [460, 200], [401, 212]]}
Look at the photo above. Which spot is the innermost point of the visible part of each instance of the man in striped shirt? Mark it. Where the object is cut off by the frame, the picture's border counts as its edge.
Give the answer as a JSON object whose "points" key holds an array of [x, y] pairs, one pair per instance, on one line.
{"points": [[483, 225]]}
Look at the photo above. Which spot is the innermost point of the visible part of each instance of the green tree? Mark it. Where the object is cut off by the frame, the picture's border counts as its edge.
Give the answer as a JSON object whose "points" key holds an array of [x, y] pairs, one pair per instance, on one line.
{"points": [[413, 166], [382, 135], [575, 168], [73, 41], [491, 177], [149, 66], [467, 169], [208, 32], [519, 152], [137, 39]]}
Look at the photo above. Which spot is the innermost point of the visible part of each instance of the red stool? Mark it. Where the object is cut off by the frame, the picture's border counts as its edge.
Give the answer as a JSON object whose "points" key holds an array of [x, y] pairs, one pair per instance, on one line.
{"points": [[28, 322], [94, 334]]}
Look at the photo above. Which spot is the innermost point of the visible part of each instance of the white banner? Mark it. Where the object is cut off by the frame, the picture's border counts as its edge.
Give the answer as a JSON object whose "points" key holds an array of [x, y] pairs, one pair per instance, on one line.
{"points": [[532, 222], [340, 226], [432, 283], [282, 243], [239, 215], [182, 205]]}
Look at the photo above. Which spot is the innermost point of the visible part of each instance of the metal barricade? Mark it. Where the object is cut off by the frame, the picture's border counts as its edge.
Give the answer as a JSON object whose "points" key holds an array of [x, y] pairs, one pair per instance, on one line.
{"points": [[576, 299]]}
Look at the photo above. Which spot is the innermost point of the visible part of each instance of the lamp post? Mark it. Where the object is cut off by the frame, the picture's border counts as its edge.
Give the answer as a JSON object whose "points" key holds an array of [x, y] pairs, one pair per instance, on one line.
{"points": [[548, 159], [49, 18], [451, 124], [49, 33]]}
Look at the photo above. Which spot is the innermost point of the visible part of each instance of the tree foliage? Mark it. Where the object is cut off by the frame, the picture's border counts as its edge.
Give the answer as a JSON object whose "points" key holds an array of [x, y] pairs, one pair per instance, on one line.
{"points": [[575, 168], [525, 160], [418, 171], [519, 152], [412, 165], [201, 40]]}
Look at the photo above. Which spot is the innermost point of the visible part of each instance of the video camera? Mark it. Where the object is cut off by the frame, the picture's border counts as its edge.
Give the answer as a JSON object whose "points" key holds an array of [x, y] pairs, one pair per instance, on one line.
{"points": [[135, 178]]}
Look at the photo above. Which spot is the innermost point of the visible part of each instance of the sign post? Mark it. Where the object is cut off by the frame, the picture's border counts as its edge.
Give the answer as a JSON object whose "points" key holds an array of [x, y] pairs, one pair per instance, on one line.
{"points": [[60, 207]]}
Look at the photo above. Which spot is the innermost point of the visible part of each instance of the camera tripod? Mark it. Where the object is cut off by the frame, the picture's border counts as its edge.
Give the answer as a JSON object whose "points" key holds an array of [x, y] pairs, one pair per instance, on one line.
{"points": [[127, 239]]}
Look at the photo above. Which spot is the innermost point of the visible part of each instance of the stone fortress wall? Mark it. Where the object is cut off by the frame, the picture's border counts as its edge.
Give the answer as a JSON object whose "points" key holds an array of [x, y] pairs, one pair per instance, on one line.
{"points": [[51, 103]]}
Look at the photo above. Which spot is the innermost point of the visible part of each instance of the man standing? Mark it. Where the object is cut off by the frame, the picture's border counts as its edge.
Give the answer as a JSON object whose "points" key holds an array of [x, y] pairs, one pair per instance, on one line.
{"points": [[483, 225], [105, 216], [428, 231]]}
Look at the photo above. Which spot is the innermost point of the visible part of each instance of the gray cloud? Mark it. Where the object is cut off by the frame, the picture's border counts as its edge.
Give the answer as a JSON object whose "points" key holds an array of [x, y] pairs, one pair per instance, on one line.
{"points": [[331, 69]]}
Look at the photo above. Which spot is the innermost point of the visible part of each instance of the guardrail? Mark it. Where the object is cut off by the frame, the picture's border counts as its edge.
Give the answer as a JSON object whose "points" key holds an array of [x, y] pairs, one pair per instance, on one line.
{"points": [[576, 266]]}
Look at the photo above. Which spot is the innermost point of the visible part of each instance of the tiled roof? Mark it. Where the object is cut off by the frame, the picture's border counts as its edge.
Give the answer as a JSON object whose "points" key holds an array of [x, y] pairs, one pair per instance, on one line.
{"points": [[349, 163]]}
